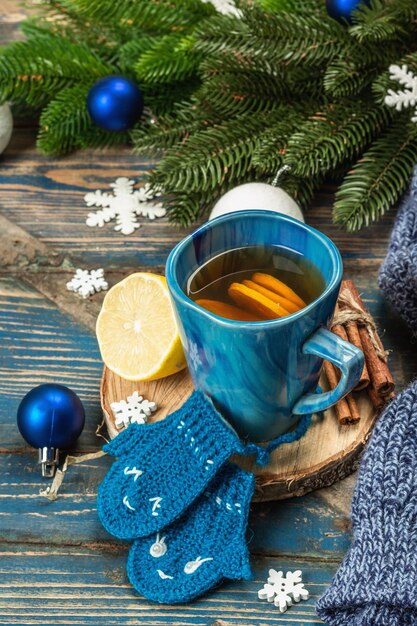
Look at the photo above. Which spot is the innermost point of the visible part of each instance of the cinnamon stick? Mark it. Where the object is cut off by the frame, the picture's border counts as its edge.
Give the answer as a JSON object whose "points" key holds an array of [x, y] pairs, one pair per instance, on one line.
{"points": [[354, 337], [346, 409], [351, 333], [379, 373], [354, 409], [376, 399]]}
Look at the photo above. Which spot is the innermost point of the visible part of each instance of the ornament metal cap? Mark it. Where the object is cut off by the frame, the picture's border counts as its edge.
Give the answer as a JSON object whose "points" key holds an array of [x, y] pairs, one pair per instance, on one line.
{"points": [[282, 170], [48, 459]]}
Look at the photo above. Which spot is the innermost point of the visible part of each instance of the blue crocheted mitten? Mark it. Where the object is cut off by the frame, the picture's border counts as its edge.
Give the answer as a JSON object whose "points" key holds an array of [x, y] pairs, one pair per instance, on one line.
{"points": [[204, 546], [163, 467], [376, 584]]}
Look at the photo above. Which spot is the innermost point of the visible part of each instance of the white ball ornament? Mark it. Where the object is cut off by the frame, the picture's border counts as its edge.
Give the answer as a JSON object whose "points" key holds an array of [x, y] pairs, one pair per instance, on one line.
{"points": [[257, 196], [6, 126]]}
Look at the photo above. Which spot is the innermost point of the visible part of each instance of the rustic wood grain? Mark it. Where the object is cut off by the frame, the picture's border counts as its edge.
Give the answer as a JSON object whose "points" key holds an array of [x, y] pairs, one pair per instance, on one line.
{"points": [[45, 197], [88, 586], [168, 393], [57, 565], [300, 527], [328, 451], [48, 271], [40, 342]]}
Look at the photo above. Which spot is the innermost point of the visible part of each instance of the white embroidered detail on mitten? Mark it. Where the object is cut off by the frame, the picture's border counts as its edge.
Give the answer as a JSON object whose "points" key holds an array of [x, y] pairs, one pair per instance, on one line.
{"points": [[127, 504], [228, 506], [158, 548], [164, 576], [134, 471], [156, 505], [191, 566], [190, 440]]}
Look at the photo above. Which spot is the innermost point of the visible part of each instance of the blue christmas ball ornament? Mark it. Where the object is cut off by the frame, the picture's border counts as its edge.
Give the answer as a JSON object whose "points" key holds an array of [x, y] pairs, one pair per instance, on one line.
{"points": [[341, 10], [50, 417], [115, 103]]}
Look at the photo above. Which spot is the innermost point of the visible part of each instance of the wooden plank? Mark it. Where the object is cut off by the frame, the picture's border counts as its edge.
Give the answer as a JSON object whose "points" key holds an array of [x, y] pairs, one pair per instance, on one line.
{"points": [[62, 585], [38, 343], [48, 271], [327, 453], [306, 526], [67, 570], [11, 14], [45, 197]]}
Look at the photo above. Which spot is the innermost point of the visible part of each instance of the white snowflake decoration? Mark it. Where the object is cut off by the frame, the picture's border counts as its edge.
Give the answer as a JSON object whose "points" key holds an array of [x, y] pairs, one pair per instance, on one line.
{"points": [[135, 410], [125, 205], [87, 283], [283, 590], [408, 96], [227, 7]]}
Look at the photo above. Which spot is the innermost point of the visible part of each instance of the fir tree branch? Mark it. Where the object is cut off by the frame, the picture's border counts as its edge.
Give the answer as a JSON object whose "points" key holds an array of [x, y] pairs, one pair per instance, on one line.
{"points": [[383, 21], [239, 82], [235, 93], [64, 120], [268, 155], [338, 133], [65, 124], [171, 59], [268, 39], [103, 41], [376, 182], [162, 99], [301, 189], [209, 158], [355, 69], [55, 14], [307, 7], [35, 71], [157, 15], [383, 82], [168, 130], [184, 208], [130, 52], [261, 82]]}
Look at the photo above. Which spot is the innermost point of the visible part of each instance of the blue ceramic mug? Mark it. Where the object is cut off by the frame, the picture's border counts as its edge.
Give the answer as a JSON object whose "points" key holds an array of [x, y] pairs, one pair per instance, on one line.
{"points": [[262, 375]]}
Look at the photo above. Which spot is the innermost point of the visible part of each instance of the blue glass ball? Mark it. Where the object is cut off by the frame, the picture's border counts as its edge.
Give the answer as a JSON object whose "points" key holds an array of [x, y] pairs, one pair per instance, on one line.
{"points": [[51, 415], [341, 10], [115, 103]]}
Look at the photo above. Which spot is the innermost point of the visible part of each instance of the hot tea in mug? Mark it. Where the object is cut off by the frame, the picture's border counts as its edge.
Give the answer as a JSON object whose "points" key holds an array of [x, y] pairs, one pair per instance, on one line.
{"points": [[254, 293], [255, 283]]}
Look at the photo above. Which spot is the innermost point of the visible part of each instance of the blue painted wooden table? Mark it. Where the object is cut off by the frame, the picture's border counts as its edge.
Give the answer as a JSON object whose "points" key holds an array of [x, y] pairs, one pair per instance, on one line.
{"points": [[57, 564]]}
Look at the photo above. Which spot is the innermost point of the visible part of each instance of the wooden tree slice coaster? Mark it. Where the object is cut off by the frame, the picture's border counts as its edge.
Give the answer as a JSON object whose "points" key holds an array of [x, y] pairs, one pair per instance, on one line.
{"points": [[327, 453]]}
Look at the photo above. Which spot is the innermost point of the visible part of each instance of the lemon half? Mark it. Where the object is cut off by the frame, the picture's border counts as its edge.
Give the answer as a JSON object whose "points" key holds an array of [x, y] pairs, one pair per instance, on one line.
{"points": [[136, 329]]}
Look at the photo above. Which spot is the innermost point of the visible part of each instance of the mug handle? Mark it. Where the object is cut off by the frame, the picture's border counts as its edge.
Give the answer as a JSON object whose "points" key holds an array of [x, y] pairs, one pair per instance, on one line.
{"points": [[345, 356]]}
